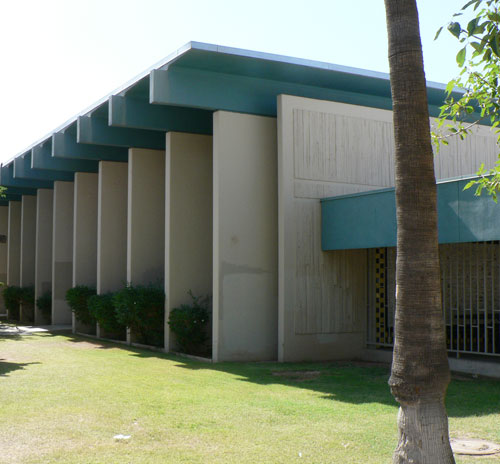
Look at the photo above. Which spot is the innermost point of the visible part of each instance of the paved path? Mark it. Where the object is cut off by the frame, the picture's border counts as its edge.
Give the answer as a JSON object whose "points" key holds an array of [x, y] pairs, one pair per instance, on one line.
{"points": [[10, 329]]}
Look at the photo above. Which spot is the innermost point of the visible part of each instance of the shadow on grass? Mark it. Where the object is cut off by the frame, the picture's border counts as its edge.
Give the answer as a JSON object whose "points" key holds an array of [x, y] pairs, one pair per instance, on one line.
{"points": [[353, 382], [7, 367], [350, 382]]}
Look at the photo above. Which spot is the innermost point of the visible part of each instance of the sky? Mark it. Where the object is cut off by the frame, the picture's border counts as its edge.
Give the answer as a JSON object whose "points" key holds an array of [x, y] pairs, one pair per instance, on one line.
{"points": [[57, 57]]}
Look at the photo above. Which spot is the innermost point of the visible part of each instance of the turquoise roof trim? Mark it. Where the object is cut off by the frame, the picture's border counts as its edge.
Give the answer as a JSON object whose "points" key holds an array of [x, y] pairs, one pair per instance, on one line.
{"points": [[368, 220]]}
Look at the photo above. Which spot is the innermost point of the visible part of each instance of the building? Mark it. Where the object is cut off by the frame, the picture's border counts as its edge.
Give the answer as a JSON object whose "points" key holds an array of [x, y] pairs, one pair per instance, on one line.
{"points": [[212, 172]]}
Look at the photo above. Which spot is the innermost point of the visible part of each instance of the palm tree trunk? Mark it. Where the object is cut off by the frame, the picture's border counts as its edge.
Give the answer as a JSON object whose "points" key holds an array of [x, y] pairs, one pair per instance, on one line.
{"points": [[420, 372]]}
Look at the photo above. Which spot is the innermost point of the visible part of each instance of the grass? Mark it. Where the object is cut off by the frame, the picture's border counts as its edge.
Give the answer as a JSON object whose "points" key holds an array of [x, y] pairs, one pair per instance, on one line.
{"points": [[63, 398]]}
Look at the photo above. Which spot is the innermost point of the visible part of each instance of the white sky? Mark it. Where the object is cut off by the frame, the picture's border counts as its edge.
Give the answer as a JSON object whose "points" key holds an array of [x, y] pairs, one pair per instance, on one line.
{"points": [[57, 57]]}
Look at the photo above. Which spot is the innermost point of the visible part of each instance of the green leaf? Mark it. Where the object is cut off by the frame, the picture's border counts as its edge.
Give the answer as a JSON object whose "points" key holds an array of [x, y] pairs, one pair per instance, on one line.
{"points": [[471, 27], [468, 185], [455, 29], [438, 32], [461, 57], [468, 4], [494, 45]]}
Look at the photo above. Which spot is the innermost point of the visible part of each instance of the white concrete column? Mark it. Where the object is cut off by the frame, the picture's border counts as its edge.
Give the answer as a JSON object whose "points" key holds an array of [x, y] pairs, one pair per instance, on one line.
{"points": [[146, 217], [245, 241], [43, 255], [14, 244], [28, 236], [27, 270], [188, 221], [4, 230], [85, 235], [62, 251], [112, 226]]}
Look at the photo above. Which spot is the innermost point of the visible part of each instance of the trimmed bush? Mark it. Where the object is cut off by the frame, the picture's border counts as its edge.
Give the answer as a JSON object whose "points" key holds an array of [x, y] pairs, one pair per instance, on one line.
{"points": [[189, 323], [77, 299], [44, 304], [12, 296], [142, 309], [101, 308]]}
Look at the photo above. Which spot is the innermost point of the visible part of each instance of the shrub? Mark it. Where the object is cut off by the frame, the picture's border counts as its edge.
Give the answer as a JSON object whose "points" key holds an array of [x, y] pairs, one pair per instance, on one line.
{"points": [[77, 299], [142, 309], [189, 323], [44, 304], [101, 308], [12, 296], [27, 295]]}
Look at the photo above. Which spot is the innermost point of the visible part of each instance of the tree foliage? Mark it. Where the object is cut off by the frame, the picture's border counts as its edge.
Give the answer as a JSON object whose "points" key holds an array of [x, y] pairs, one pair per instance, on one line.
{"points": [[478, 81]]}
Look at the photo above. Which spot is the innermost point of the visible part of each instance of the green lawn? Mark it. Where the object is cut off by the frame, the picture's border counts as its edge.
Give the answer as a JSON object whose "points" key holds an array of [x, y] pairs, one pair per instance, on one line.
{"points": [[63, 398]]}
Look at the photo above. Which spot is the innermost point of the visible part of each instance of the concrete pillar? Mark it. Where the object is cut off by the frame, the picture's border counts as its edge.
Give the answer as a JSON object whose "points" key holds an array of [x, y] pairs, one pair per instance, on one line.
{"points": [[28, 236], [27, 259], [62, 251], [4, 228], [43, 255], [188, 221], [245, 241], [14, 244], [111, 228], [146, 217], [85, 235]]}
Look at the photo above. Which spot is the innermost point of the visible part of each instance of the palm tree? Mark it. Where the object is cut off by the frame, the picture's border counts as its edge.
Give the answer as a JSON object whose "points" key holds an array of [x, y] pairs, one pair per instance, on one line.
{"points": [[420, 372]]}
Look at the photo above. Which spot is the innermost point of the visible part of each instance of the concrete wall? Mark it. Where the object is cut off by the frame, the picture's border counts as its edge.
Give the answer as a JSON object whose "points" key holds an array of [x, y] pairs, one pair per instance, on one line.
{"points": [[322, 295], [62, 251], [188, 220], [112, 226], [146, 217], [85, 236], [245, 248], [4, 230], [85, 229], [28, 240], [43, 258], [14, 244]]}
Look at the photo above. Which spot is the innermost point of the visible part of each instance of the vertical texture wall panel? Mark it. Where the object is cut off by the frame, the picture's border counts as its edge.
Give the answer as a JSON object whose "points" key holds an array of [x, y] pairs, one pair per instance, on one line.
{"points": [[245, 237], [43, 255]]}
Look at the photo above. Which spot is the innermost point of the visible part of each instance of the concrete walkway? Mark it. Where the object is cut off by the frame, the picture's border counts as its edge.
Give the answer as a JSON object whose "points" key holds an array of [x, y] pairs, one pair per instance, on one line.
{"points": [[10, 329]]}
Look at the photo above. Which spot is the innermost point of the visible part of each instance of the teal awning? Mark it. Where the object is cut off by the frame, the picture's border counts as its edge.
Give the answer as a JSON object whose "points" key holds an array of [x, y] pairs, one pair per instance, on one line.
{"points": [[368, 220]]}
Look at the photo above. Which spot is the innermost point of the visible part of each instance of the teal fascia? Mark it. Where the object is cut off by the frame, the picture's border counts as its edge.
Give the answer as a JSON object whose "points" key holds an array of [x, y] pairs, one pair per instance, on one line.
{"points": [[96, 131], [42, 159], [23, 170], [368, 220], [139, 114], [214, 91], [7, 180], [20, 191], [64, 145]]}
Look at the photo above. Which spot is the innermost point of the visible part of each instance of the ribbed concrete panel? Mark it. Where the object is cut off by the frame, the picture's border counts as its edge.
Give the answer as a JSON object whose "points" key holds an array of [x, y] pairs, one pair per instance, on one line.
{"points": [[62, 251], [43, 258]]}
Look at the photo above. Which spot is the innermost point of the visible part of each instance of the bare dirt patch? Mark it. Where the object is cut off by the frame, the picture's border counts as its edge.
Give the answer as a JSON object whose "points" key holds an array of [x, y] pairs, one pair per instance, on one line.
{"points": [[474, 447]]}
